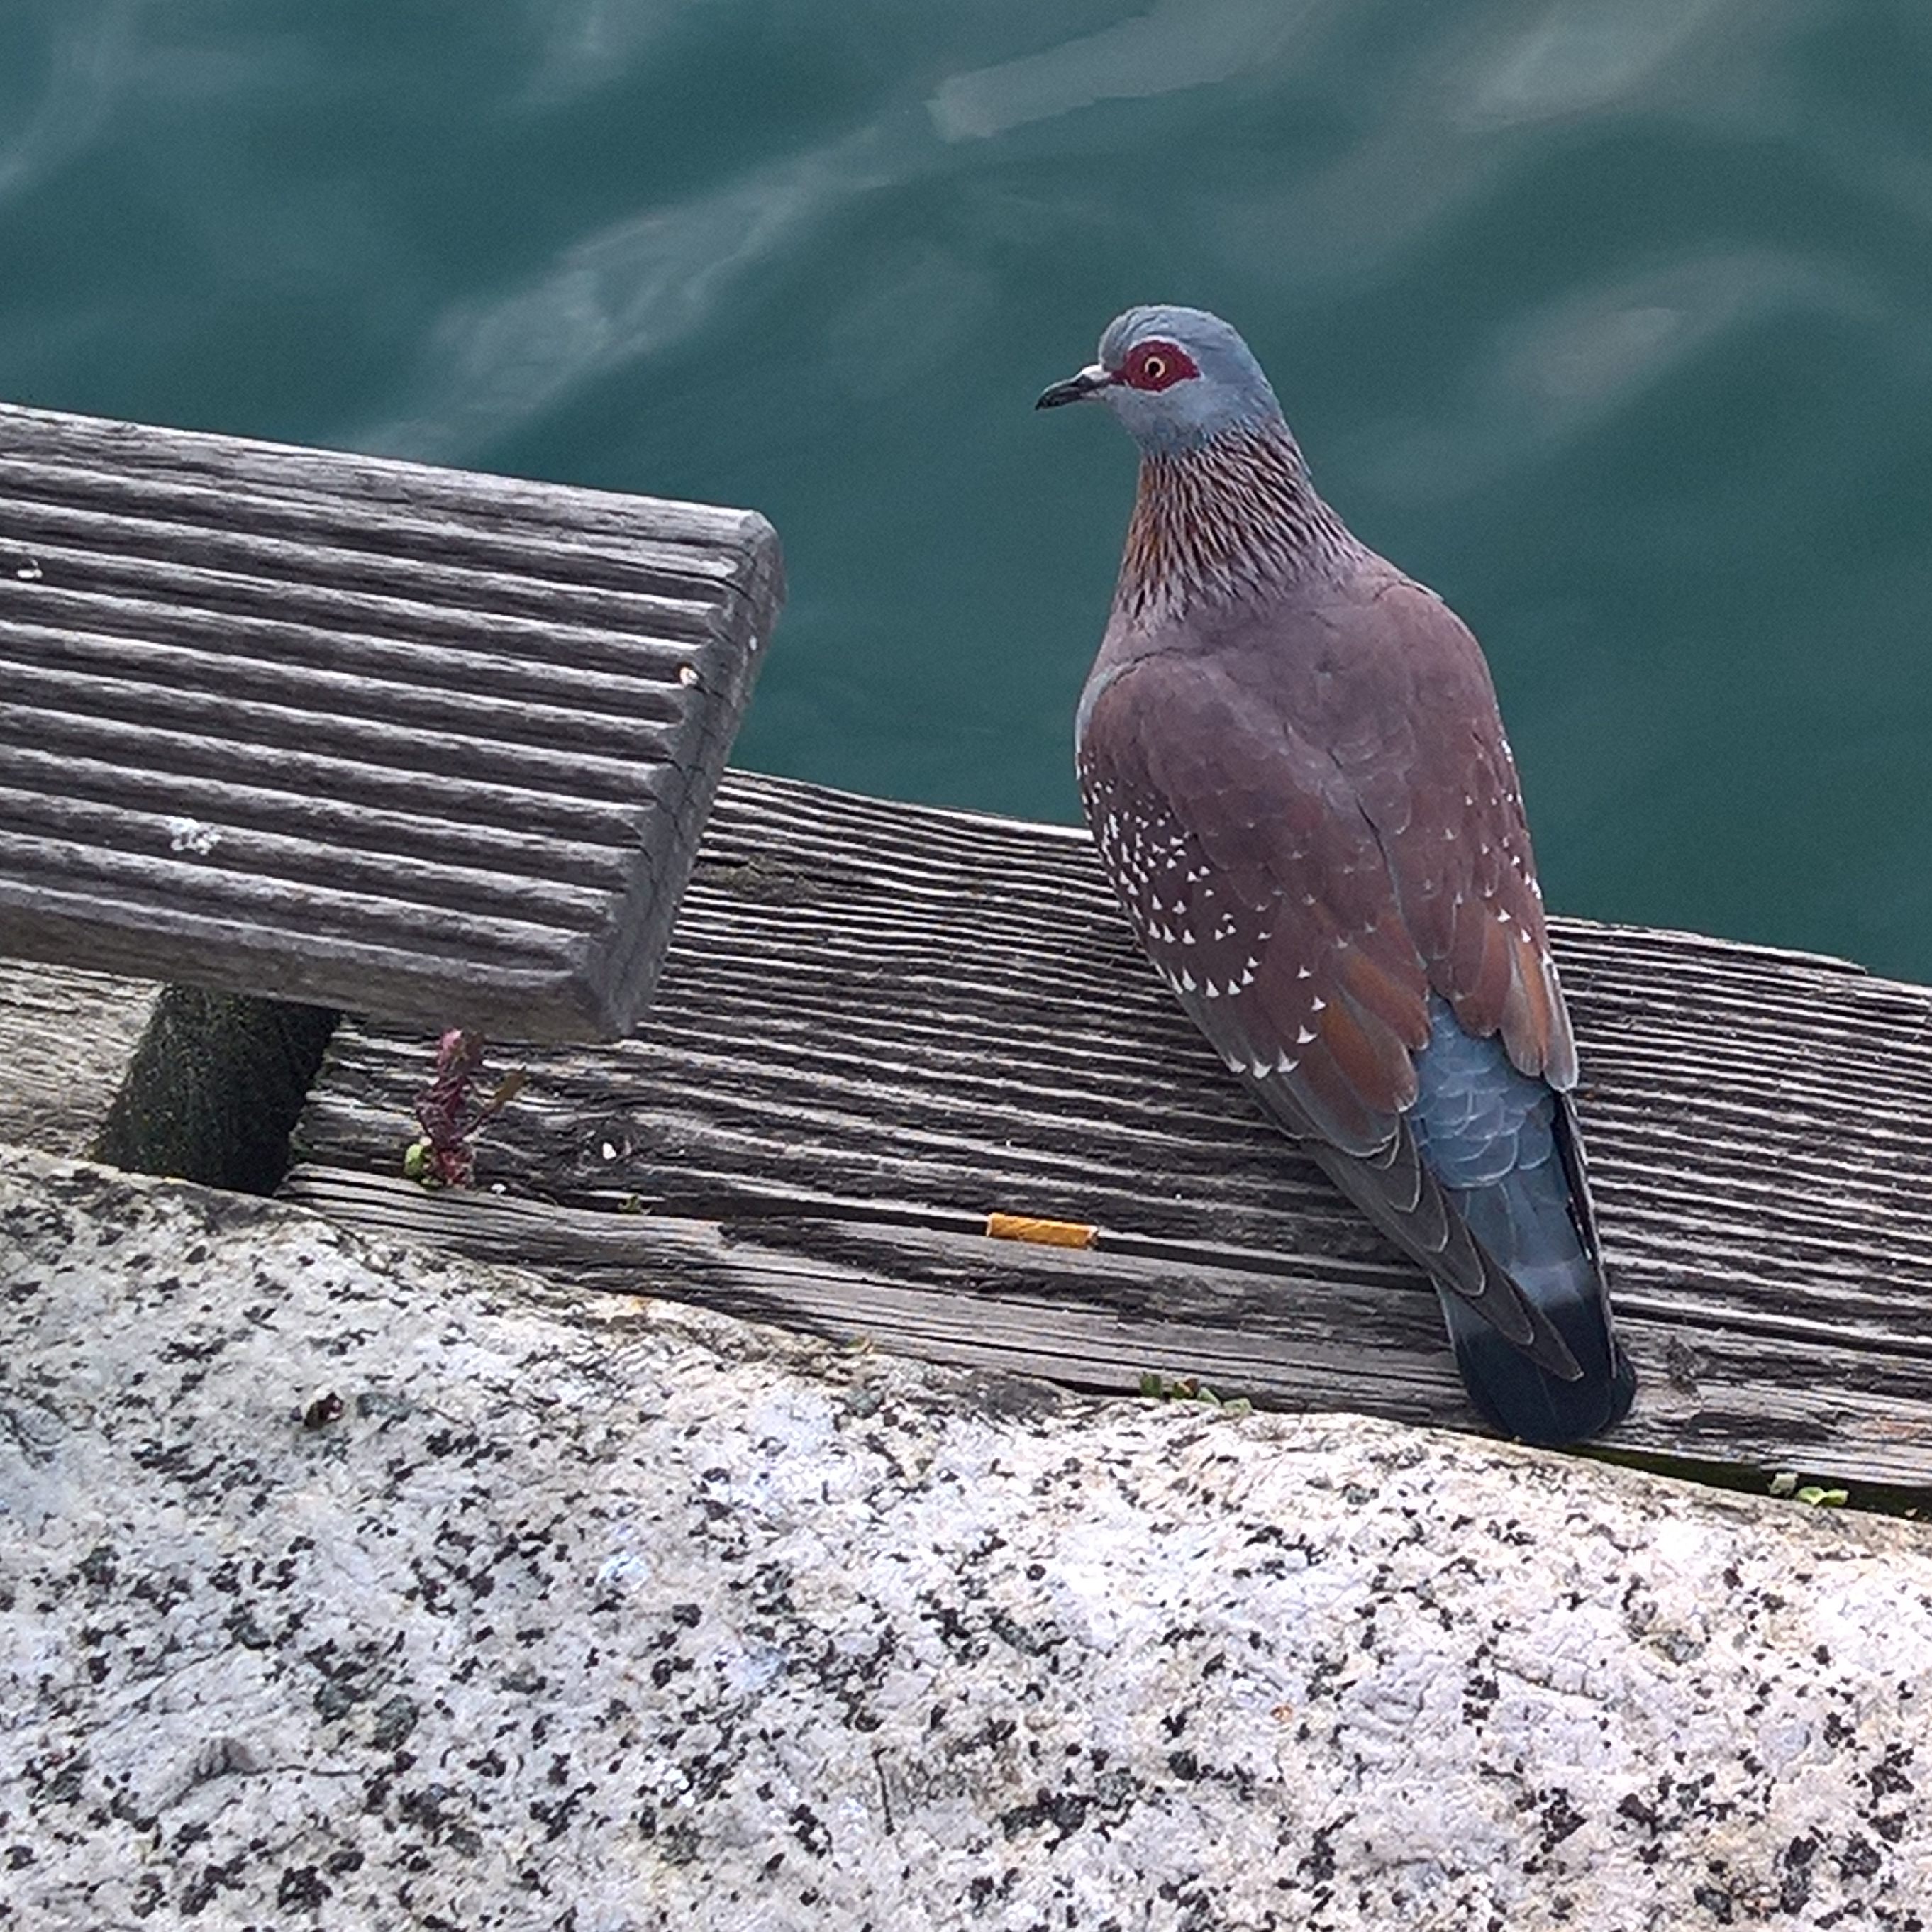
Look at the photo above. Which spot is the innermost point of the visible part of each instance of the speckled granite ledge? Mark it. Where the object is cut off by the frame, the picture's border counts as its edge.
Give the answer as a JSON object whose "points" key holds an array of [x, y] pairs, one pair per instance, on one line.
{"points": [[340, 1587]]}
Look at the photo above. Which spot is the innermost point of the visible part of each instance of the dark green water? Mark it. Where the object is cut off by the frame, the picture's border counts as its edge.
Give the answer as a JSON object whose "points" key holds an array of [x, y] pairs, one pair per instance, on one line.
{"points": [[1611, 318]]}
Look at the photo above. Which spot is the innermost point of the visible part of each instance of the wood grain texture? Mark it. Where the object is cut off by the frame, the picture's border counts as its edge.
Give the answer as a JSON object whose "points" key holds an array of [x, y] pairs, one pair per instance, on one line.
{"points": [[879, 1022], [346, 731], [66, 1039]]}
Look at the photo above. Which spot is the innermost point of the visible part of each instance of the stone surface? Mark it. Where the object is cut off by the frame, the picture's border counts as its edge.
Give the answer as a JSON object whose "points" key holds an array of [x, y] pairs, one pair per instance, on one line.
{"points": [[343, 1587]]}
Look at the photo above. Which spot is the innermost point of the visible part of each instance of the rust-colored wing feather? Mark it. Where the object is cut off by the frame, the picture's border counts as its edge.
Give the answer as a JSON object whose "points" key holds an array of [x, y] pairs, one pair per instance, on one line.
{"points": [[1434, 775]]}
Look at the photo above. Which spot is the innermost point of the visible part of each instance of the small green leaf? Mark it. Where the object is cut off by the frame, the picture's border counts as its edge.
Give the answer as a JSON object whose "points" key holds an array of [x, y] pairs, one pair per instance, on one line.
{"points": [[1158, 1387]]}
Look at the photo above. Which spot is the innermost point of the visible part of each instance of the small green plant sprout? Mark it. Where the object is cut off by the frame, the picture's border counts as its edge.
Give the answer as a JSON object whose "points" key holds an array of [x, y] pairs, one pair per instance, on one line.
{"points": [[1786, 1483], [1159, 1387]]}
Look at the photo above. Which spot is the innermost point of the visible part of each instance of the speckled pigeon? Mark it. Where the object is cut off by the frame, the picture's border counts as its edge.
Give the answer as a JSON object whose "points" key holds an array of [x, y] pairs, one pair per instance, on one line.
{"points": [[1290, 757]]}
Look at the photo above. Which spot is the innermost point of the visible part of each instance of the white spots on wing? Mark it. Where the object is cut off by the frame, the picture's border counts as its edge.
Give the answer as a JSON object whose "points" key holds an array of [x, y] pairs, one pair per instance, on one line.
{"points": [[1502, 915], [1198, 926]]}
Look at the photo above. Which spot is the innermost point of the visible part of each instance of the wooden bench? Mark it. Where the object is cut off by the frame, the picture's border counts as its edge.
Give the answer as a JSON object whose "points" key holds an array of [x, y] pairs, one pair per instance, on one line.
{"points": [[359, 733]]}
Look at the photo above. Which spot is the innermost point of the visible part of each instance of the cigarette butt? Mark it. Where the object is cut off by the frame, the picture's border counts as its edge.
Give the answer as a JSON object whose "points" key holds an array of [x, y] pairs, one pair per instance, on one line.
{"points": [[1048, 1233]]}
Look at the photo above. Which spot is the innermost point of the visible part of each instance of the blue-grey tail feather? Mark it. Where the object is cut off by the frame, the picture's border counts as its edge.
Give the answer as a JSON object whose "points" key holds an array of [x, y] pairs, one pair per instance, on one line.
{"points": [[1525, 1223], [1501, 1144]]}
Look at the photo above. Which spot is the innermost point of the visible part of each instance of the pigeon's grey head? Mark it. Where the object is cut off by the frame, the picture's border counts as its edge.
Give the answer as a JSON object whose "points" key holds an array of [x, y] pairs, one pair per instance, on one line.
{"points": [[1176, 377]]}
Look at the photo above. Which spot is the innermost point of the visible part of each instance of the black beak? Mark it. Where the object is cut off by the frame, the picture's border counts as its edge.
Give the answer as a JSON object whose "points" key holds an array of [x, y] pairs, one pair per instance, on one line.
{"points": [[1089, 382]]}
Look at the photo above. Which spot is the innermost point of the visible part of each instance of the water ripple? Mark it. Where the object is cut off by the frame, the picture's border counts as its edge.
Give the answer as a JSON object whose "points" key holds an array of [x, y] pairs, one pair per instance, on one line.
{"points": [[1179, 44], [1559, 371], [91, 65], [633, 290]]}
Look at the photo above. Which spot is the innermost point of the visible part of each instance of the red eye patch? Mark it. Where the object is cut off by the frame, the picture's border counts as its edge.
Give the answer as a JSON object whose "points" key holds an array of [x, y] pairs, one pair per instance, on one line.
{"points": [[1156, 365]]}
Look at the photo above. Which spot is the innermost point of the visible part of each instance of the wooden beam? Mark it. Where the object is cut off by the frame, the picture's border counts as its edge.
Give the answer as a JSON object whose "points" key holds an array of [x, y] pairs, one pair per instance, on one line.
{"points": [[878, 1022], [345, 731], [66, 1040]]}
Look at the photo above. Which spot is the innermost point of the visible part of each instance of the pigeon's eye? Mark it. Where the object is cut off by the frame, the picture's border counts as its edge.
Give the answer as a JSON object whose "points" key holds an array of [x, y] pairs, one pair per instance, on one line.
{"points": [[1157, 365]]}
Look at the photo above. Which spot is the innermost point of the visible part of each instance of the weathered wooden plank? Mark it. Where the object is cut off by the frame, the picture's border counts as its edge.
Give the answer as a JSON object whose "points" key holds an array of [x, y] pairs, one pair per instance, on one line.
{"points": [[1300, 1332], [167, 1080], [891, 1016], [338, 730], [66, 1039]]}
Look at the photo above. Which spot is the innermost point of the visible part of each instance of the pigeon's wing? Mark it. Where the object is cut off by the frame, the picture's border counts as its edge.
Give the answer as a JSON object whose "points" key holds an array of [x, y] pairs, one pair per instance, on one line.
{"points": [[1258, 888], [1426, 760], [1257, 881]]}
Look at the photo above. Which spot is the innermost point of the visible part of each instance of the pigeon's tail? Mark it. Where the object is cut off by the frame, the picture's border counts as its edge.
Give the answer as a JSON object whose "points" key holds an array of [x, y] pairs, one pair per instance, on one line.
{"points": [[1525, 1223], [1504, 1147]]}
